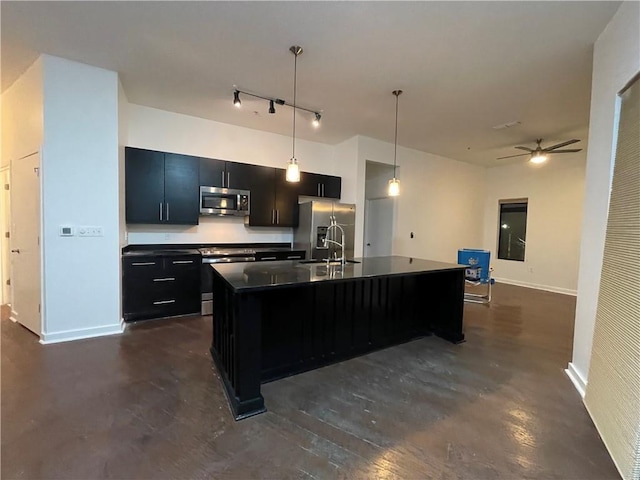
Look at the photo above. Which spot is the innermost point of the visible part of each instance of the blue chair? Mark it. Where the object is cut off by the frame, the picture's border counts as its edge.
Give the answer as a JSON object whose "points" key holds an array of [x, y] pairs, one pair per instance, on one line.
{"points": [[478, 272]]}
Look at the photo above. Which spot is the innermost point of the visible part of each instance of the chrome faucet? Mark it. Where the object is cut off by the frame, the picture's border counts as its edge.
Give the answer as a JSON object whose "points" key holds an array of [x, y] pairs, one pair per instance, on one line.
{"points": [[334, 226]]}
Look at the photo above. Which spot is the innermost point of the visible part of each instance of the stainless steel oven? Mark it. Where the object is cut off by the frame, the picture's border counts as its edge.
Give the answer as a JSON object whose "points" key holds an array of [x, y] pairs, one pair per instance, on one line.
{"points": [[217, 255], [224, 201]]}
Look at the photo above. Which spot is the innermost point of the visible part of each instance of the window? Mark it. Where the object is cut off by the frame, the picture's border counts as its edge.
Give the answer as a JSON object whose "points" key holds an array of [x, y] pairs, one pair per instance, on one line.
{"points": [[512, 230]]}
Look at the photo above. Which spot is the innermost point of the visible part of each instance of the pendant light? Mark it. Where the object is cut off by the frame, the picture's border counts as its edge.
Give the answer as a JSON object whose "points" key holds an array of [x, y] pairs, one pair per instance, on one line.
{"points": [[293, 170], [394, 183]]}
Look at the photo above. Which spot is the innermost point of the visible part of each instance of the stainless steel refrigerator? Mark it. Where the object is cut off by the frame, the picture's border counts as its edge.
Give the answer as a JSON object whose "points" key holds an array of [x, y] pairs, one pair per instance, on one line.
{"points": [[312, 229]]}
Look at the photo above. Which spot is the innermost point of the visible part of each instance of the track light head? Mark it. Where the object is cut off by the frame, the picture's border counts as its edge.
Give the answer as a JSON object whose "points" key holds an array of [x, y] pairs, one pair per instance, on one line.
{"points": [[316, 121], [236, 99], [272, 108]]}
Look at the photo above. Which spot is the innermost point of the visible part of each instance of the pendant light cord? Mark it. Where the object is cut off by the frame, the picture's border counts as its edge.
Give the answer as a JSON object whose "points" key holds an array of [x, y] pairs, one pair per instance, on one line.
{"points": [[395, 142], [295, 81]]}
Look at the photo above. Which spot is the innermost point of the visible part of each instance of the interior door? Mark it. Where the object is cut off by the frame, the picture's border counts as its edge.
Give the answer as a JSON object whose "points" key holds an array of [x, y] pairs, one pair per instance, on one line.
{"points": [[25, 242], [378, 227]]}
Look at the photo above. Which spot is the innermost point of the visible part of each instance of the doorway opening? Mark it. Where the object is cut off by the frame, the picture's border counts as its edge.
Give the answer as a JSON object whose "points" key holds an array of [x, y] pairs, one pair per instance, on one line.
{"points": [[379, 212]]}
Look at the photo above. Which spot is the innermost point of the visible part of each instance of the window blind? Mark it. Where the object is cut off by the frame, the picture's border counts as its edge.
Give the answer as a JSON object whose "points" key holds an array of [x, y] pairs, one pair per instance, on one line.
{"points": [[613, 390]]}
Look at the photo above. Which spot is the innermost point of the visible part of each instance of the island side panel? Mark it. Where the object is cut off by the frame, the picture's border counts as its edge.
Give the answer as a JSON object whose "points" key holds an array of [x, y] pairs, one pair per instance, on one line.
{"points": [[236, 347], [308, 326], [447, 306]]}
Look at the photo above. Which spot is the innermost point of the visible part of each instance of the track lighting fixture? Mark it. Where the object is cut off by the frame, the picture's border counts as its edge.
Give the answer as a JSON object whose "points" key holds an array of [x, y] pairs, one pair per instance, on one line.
{"points": [[394, 183], [276, 101]]}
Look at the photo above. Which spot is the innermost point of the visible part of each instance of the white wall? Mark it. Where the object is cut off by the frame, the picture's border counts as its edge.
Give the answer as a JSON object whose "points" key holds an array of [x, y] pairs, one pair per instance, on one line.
{"points": [[616, 60], [438, 202], [22, 126], [80, 187], [22, 122], [123, 139], [171, 132], [555, 192]]}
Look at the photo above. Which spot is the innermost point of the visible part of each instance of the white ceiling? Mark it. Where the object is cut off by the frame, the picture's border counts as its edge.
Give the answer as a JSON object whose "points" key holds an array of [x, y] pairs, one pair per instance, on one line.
{"points": [[464, 66]]}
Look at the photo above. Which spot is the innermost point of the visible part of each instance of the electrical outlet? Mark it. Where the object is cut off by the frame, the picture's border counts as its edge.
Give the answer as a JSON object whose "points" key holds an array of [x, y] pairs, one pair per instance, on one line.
{"points": [[530, 269], [90, 231]]}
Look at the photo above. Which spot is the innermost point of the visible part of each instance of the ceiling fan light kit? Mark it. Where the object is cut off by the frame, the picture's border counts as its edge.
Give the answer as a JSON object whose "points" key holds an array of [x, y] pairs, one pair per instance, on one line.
{"points": [[540, 155]]}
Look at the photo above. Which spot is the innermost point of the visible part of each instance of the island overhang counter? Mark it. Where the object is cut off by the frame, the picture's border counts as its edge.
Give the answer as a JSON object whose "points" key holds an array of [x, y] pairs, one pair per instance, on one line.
{"points": [[275, 319]]}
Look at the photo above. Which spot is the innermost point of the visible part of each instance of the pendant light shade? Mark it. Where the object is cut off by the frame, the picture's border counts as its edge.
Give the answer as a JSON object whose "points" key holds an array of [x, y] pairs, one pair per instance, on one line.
{"points": [[394, 183], [293, 170], [394, 187]]}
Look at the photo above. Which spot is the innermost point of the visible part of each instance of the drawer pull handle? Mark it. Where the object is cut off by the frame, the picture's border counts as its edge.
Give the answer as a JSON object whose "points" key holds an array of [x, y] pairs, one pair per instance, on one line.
{"points": [[140, 264], [167, 279], [164, 302], [294, 257], [176, 262], [269, 258]]}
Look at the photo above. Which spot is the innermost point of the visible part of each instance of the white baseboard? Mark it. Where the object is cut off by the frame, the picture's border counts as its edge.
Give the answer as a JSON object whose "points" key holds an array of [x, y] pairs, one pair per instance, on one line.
{"points": [[564, 291], [80, 333], [577, 380]]}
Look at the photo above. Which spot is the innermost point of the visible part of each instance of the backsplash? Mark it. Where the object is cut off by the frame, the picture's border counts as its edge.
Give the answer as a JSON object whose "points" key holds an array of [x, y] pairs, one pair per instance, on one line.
{"points": [[210, 230]]}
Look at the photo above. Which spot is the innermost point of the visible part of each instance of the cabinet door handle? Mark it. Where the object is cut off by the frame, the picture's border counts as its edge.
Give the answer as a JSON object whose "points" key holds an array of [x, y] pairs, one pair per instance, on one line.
{"points": [[228, 179], [176, 262], [323, 189], [273, 217], [160, 211], [294, 257], [277, 217], [164, 302], [167, 279], [167, 211], [318, 189], [140, 264], [222, 173], [268, 258]]}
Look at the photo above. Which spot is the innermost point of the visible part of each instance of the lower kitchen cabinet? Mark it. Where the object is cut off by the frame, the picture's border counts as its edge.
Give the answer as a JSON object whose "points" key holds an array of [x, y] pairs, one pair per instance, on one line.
{"points": [[283, 255], [160, 286]]}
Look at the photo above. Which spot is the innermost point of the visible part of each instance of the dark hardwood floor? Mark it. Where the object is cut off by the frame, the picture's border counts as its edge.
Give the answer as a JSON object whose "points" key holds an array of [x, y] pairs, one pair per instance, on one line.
{"points": [[149, 404]]}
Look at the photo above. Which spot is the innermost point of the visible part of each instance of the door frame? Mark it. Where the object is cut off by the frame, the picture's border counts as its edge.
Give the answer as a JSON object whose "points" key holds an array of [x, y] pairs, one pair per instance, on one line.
{"points": [[5, 226], [40, 233]]}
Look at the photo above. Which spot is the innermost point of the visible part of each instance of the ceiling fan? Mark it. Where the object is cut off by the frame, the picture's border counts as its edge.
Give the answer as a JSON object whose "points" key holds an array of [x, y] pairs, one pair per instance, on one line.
{"points": [[539, 154]]}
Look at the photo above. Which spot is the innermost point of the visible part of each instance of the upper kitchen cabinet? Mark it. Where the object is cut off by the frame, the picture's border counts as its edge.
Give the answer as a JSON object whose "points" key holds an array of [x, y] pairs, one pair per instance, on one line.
{"points": [[219, 173], [161, 188], [318, 185], [274, 201]]}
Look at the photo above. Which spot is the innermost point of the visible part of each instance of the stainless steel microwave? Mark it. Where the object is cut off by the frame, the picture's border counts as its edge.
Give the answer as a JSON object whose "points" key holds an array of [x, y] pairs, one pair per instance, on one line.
{"points": [[224, 201]]}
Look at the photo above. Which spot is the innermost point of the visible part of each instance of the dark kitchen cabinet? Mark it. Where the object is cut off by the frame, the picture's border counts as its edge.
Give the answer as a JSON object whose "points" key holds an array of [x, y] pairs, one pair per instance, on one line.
{"points": [[157, 286], [280, 255], [318, 185], [274, 201], [223, 174], [161, 188]]}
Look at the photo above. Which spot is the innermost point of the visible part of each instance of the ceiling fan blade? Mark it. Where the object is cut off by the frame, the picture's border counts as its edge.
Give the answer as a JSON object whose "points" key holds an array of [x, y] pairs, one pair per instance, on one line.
{"points": [[520, 147], [568, 142], [511, 156], [569, 150]]}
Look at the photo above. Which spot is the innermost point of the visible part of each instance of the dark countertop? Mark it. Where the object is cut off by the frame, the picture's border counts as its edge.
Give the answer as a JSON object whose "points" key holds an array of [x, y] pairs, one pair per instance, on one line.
{"points": [[261, 276], [160, 252]]}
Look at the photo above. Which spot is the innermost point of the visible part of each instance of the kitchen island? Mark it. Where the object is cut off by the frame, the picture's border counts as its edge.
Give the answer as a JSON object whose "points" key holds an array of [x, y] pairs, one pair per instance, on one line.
{"points": [[280, 318]]}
